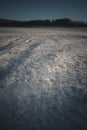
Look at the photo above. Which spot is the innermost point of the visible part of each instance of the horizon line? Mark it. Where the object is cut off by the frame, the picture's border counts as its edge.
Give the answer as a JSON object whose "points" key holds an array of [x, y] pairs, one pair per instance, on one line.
{"points": [[8, 19]]}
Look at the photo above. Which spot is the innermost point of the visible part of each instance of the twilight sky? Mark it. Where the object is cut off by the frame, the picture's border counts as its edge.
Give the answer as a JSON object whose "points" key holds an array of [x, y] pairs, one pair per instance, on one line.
{"points": [[43, 9]]}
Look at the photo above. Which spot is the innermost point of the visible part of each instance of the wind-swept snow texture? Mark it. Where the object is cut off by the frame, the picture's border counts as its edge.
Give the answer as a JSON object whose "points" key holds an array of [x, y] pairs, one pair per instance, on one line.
{"points": [[43, 79]]}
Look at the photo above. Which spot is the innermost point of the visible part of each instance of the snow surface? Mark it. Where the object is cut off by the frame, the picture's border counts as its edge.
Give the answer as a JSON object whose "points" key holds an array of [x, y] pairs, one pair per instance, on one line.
{"points": [[43, 79]]}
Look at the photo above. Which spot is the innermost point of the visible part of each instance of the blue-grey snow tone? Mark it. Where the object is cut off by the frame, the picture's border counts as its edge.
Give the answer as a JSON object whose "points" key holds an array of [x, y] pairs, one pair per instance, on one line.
{"points": [[43, 79], [43, 9]]}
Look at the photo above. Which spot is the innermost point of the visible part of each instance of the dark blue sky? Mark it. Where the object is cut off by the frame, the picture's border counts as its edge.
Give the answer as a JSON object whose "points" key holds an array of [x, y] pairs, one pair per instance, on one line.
{"points": [[43, 9]]}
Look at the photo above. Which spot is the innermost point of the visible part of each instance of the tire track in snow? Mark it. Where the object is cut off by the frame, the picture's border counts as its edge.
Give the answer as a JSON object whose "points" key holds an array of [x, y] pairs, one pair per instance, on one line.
{"points": [[14, 63]]}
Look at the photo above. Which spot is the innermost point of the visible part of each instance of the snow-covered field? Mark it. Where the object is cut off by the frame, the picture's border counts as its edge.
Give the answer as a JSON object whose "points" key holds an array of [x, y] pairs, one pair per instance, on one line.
{"points": [[43, 79]]}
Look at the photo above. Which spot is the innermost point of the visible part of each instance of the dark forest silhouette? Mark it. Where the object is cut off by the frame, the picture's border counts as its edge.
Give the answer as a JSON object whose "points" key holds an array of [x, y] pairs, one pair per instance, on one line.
{"points": [[66, 22]]}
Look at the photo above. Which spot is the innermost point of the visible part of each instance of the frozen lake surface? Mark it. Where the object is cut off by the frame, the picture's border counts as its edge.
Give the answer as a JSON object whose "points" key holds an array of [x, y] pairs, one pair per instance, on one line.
{"points": [[43, 79]]}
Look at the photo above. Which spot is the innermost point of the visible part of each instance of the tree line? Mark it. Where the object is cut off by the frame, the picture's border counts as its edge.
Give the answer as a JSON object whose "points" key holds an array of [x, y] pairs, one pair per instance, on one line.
{"points": [[66, 22]]}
